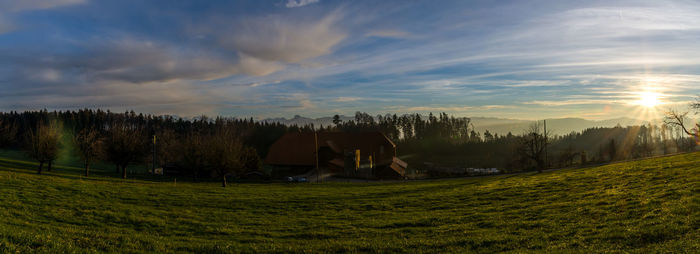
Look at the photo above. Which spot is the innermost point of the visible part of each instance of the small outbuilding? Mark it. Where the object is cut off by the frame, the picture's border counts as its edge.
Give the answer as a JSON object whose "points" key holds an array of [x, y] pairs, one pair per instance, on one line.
{"points": [[369, 155]]}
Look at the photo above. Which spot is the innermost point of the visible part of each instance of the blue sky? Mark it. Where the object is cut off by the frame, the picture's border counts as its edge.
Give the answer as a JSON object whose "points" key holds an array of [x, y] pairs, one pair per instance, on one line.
{"points": [[519, 59]]}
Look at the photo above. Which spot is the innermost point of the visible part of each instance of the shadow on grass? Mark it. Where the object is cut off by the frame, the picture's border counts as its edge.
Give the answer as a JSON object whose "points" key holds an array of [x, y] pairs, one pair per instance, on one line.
{"points": [[100, 174], [68, 172]]}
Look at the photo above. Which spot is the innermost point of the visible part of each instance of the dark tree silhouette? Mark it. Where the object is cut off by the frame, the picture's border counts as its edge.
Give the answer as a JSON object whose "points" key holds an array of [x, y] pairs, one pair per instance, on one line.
{"points": [[167, 146], [336, 120], [679, 119], [8, 133], [250, 159], [87, 144], [124, 145], [224, 153], [43, 144], [532, 146], [193, 154]]}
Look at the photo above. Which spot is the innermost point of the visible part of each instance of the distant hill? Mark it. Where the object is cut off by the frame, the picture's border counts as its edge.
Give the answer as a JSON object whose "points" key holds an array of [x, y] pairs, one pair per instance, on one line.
{"points": [[301, 121], [554, 126], [494, 125]]}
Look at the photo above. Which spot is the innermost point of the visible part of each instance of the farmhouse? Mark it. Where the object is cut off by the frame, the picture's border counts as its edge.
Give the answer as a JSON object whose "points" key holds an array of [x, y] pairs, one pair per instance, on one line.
{"points": [[368, 155]]}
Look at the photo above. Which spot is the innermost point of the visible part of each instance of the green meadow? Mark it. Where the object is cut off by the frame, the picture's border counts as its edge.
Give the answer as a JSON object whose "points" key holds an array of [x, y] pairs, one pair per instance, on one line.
{"points": [[645, 206]]}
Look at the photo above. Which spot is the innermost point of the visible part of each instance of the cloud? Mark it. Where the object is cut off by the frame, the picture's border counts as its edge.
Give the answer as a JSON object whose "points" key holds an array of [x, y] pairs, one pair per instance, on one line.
{"points": [[306, 104], [23, 5], [118, 69], [9, 8], [266, 44], [572, 102], [142, 61], [256, 84], [136, 61], [637, 18], [255, 46], [257, 67], [343, 99], [387, 33], [449, 109], [347, 99], [47, 75], [299, 3], [121, 74], [5, 25], [176, 98], [276, 38]]}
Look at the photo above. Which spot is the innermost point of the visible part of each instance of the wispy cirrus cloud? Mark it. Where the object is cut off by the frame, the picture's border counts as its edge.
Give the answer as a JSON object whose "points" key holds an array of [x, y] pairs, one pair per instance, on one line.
{"points": [[278, 39], [299, 3], [9, 8], [451, 109], [388, 33], [257, 49], [573, 102], [13, 6], [348, 99]]}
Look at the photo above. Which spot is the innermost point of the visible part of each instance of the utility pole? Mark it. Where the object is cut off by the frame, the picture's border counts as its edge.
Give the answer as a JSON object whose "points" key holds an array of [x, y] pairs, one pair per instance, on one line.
{"points": [[546, 161], [153, 167], [316, 153]]}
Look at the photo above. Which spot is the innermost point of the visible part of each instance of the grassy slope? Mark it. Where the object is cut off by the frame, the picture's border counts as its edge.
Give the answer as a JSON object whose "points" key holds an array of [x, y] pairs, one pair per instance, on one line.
{"points": [[644, 206]]}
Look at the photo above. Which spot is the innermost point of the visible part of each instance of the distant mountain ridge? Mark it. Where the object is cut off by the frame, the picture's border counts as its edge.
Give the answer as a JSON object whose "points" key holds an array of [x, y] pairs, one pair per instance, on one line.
{"points": [[556, 126], [301, 121], [501, 126]]}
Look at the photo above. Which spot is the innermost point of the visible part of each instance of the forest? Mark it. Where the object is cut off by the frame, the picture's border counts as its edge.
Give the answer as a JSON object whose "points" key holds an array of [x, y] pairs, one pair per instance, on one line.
{"points": [[450, 141], [204, 147]]}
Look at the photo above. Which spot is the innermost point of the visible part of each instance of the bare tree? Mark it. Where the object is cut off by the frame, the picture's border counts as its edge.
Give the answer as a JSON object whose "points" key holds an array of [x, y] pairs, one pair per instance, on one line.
{"points": [[678, 119], [224, 153], [88, 144], [532, 145], [43, 144], [124, 145]]}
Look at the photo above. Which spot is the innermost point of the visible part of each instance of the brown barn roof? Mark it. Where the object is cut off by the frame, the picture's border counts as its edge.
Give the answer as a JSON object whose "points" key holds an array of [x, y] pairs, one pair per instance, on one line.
{"points": [[297, 148]]}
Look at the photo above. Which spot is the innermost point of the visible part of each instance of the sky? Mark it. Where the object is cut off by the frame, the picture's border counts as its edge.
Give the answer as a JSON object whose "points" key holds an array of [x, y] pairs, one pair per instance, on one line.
{"points": [[280, 58]]}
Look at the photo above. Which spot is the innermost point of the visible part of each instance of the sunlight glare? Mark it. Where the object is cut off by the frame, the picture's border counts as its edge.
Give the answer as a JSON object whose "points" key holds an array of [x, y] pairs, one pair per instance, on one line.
{"points": [[649, 99]]}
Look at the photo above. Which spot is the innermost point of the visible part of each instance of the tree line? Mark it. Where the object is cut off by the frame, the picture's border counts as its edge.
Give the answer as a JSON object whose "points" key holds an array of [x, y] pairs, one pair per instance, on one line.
{"points": [[200, 147], [204, 147], [450, 140]]}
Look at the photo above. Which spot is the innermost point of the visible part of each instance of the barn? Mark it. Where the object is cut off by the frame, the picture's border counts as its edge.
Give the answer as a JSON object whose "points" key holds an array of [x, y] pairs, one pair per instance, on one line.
{"points": [[369, 155]]}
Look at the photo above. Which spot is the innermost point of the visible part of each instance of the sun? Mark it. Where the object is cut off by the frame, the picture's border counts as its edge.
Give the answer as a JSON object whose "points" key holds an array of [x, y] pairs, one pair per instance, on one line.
{"points": [[649, 99]]}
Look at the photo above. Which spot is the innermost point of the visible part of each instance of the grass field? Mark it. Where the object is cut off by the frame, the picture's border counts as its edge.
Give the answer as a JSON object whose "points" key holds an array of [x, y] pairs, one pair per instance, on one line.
{"points": [[644, 206]]}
